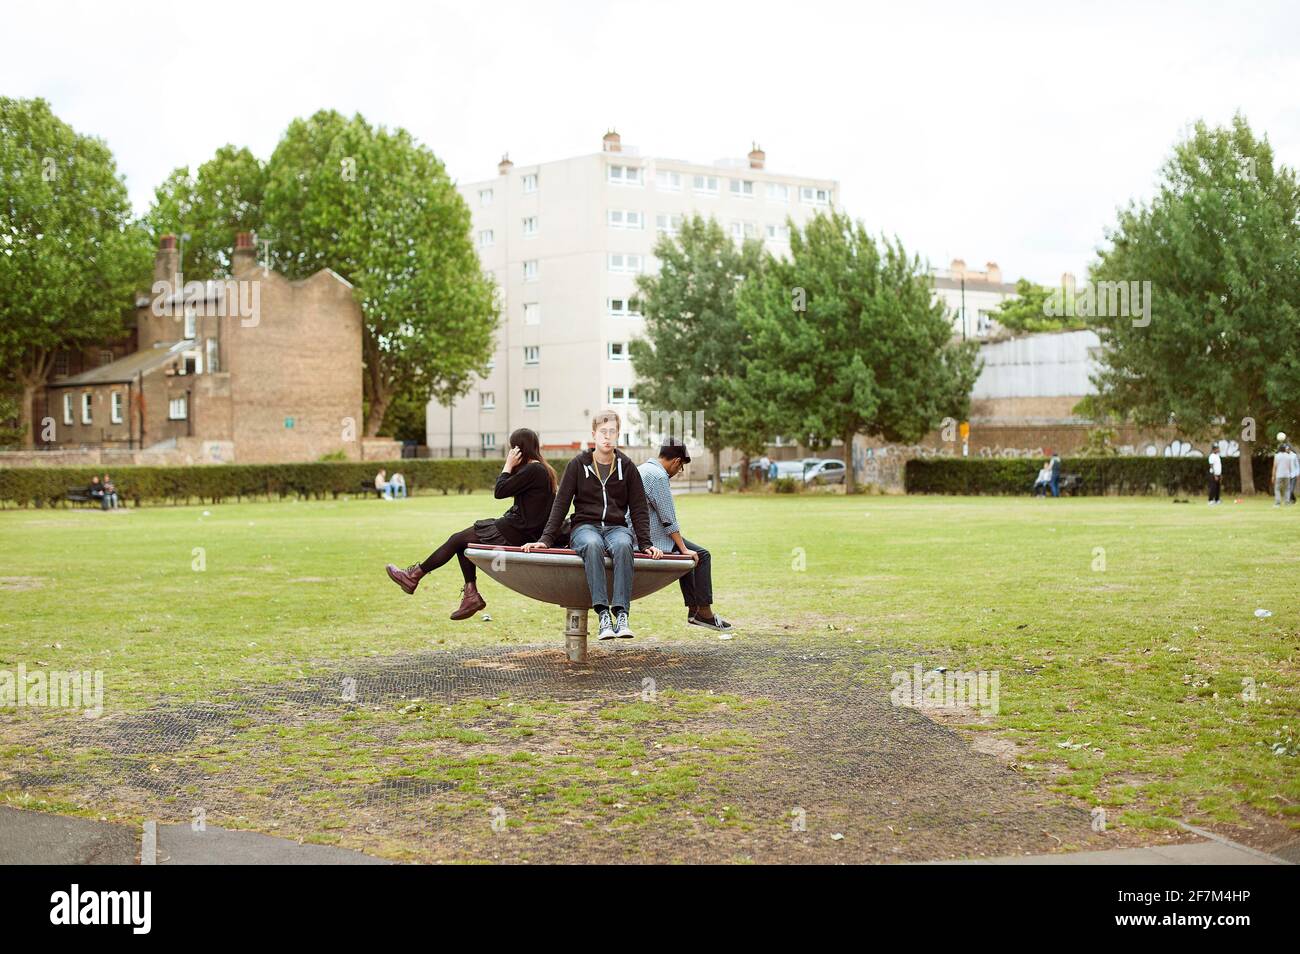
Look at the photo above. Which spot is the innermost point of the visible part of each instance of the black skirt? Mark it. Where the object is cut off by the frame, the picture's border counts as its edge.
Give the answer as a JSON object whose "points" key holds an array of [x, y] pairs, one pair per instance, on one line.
{"points": [[488, 532]]}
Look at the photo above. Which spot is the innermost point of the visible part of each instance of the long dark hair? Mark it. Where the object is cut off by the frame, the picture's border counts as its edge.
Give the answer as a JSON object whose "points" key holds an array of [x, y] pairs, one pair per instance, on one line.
{"points": [[530, 446]]}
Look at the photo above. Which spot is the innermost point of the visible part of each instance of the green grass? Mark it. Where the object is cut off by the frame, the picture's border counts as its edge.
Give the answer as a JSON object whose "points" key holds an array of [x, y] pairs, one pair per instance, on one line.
{"points": [[1120, 685]]}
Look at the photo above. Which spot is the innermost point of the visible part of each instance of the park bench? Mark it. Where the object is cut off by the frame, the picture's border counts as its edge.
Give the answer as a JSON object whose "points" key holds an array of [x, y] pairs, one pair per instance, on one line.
{"points": [[368, 487], [78, 495], [1071, 484], [557, 576]]}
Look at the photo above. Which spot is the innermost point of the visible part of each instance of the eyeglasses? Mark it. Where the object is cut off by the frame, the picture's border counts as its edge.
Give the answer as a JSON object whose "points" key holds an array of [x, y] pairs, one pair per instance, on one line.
{"points": [[608, 432]]}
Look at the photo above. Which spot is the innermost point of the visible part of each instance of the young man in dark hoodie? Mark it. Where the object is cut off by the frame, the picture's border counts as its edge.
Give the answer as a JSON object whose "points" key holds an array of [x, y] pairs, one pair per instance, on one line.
{"points": [[604, 487]]}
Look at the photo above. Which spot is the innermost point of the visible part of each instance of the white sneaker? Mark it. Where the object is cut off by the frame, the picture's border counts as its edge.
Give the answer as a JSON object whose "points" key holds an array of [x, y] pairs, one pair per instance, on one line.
{"points": [[606, 626], [623, 631]]}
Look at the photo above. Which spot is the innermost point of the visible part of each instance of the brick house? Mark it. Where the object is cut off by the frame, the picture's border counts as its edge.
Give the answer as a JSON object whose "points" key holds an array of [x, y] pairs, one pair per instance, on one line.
{"points": [[252, 369]]}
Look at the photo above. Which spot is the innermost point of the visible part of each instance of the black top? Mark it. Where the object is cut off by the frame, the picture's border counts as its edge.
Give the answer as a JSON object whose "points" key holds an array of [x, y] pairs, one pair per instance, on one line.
{"points": [[530, 485], [604, 506]]}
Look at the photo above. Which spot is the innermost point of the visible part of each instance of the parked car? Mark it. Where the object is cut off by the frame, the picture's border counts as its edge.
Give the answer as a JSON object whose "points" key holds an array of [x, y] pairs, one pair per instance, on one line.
{"points": [[825, 472], [790, 468]]}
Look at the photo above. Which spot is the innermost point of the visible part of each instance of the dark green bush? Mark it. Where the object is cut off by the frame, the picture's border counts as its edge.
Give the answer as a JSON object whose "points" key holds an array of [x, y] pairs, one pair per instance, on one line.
{"points": [[1101, 475], [47, 486], [787, 485]]}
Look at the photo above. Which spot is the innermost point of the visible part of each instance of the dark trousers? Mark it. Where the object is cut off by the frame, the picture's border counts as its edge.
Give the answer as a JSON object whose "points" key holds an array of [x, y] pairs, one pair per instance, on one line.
{"points": [[697, 585], [1056, 485], [454, 547], [1216, 483]]}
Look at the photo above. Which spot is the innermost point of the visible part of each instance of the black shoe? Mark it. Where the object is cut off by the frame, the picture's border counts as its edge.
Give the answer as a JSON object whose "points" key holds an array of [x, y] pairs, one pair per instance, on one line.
{"points": [[714, 622]]}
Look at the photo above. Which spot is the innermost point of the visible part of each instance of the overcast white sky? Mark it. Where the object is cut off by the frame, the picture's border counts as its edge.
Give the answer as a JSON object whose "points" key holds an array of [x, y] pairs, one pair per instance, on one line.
{"points": [[1003, 131]]}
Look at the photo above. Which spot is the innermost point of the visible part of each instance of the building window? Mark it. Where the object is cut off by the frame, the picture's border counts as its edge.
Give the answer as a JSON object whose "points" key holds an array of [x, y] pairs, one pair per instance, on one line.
{"points": [[668, 180], [813, 195], [484, 196], [488, 441], [625, 219], [778, 192], [214, 356], [530, 270], [532, 397], [191, 323], [486, 238], [530, 225], [532, 313], [178, 409], [487, 400], [705, 184], [778, 233], [622, 395], [191, 363], [744, 188], [618, 351], [61, 364], [668, 223], [105, 357], [115, 406], [492, 363], [530, 182], [621, 262], [67, 409], [625, 175], [624, 307], [743, 230], [532, 354], [85, 408]]}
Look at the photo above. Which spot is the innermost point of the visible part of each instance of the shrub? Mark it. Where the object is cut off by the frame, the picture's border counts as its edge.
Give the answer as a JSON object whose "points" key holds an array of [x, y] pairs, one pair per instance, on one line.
{"points": [[787, 485], [1014, 476]]}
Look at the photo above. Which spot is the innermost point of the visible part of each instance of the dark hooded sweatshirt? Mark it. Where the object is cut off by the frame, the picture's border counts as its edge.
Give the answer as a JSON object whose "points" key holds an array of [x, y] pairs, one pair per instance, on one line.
{"points": [[606, 506]]}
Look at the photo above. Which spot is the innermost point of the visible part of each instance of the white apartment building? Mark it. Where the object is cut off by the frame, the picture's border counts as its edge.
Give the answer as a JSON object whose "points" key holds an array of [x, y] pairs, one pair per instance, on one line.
{"points": [[972, 297], [565, 242]]}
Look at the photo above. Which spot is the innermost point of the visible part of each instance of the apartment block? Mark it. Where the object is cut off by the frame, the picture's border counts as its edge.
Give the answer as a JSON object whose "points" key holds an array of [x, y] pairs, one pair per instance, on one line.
{"points": [[565, 241]]}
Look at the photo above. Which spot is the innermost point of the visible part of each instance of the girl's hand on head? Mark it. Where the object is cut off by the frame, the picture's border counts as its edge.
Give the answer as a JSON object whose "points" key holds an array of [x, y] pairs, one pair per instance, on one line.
{"points": [[513, 459]]}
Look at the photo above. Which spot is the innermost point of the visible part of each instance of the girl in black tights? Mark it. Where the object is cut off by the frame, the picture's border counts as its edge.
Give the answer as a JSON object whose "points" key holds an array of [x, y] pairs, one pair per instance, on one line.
{"points": [[528, 478]]}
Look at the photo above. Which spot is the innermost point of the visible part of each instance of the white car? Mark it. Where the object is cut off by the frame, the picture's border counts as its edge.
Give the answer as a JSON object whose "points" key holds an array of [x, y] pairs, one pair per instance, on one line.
{"points": [[825, 472]]}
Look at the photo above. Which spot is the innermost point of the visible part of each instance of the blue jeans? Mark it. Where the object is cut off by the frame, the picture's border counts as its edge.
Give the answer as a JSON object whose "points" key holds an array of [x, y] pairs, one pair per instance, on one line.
{"points": [[1056, 485], [592, 543]]}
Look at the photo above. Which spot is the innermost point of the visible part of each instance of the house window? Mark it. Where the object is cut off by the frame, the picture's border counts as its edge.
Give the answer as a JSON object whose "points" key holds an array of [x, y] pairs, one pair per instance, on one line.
{"points": [[532, 397], [813, 195], [116, 407], [67, 408], [618, 351], [532, 313], [705, 184], [744, 188], [622, 395], [192, 363], [778, 233], [484, 196], [778, 192], [105, 357], [625, 219], [668, 223], [530, 182], [85, 407], [625, 175], [486, 238], [487, 400], [191, 323], [621, 262], [178, 408], [488, 441], [532, 354], [61, 364], [624, 307], [530, 270], [214, 357], [670, 181], [530, 225]]}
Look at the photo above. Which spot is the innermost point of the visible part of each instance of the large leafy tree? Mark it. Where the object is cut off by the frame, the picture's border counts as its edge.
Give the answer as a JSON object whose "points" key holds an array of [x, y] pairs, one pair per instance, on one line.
{"points": [[224, 198], [692, 335], [1220, 244], [1031, 310], [846, 338], [71, 258], [380, 210]]}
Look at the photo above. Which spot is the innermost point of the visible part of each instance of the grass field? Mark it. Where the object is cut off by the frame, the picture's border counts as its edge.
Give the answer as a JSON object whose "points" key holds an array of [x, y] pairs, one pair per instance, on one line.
{"points": [[1121, 630]]}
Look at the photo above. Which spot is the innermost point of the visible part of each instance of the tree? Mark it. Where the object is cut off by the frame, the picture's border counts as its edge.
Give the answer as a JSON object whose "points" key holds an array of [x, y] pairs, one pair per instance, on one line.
{"points": [[223, 199], [379, 209], [1031, 310], [692, 336], [71, 258], [1219, 341], [845, 338]]}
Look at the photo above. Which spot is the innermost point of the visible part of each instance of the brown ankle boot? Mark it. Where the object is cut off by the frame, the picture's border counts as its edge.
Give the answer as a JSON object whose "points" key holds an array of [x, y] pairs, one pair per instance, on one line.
{"points": [[470, 602], [407, 579]]}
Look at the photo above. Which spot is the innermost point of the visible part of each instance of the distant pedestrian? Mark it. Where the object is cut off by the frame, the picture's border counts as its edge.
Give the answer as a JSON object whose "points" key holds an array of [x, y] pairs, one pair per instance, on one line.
{"points": [[1055, 464], [1215, 475], [1286, 467]]}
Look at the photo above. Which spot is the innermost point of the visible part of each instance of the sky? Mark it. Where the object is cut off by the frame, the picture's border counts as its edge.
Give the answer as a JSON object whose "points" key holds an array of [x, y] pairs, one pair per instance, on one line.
{"points": [[1007, 132]]}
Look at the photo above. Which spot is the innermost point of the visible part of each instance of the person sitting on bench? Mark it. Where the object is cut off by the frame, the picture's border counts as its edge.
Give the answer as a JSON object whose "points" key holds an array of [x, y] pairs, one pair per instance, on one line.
{"points": [[697, 585], [110, 500], [528, 478], [604, 487], [96, 491]]}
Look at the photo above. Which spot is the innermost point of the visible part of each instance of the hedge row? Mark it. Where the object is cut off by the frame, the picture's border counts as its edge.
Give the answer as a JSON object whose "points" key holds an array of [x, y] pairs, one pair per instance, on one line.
{"points": [[1101, 475], [48, 486]]}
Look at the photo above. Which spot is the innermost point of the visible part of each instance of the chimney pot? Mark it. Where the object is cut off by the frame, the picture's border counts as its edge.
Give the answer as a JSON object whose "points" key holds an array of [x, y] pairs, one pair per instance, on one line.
{"points": [[995, 273], [612, 142], [243, 240], [167, 242], [958, 267], [505, 165], [757, 157]]}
